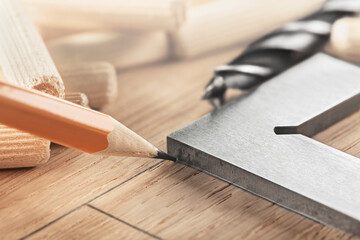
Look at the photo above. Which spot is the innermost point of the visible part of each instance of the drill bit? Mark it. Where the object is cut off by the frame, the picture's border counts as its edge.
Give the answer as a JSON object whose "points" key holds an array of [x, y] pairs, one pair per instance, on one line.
{"points": [[278, 51]]}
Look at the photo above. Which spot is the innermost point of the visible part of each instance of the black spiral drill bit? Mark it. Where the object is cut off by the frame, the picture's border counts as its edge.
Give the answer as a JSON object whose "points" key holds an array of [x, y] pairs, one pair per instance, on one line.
{"points": [[278, 50]]}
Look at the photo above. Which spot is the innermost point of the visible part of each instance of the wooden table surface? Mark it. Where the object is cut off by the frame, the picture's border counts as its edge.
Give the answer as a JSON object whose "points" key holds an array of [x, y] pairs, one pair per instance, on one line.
{"points": [[79, 196]]}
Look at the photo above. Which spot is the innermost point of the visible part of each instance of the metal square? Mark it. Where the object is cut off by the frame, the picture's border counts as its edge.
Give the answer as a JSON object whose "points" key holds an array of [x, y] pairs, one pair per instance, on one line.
{"points": [[238, 143]]}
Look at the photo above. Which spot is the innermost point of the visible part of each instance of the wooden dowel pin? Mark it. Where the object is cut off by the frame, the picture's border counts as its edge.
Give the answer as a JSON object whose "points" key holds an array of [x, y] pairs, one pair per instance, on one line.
{"points": [[217, 24], [96, 79], [109, 14], [77, 98], [123, 50], [345, 39], [25, 62]]}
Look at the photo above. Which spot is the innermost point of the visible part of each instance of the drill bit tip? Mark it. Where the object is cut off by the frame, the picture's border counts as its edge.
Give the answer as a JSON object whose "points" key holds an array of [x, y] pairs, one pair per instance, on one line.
{"points": [[207, 93], [216, 88]]}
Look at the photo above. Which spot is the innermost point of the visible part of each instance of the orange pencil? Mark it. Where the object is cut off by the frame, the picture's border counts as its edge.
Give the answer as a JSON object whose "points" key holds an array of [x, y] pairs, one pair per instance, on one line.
{"points": [[70, 125]]}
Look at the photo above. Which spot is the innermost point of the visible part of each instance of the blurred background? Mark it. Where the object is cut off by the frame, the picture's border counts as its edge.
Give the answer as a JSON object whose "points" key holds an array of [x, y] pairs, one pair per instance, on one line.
{"points": [[130, 34], [137, 32]]}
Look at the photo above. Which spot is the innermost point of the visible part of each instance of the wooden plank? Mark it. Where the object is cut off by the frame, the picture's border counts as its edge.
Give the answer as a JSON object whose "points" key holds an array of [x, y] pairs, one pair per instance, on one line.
{"points": [[31, 198], [87, 223], [178, 202], [153, 101]]}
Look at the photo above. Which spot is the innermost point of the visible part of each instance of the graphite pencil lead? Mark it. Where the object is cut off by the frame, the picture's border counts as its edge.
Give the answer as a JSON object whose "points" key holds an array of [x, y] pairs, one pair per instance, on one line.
{"points": [[163, 155]]}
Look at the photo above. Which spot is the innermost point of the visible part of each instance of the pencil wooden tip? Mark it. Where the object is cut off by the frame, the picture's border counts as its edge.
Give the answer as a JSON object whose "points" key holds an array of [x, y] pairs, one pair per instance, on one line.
{"points": [[162, 155]]}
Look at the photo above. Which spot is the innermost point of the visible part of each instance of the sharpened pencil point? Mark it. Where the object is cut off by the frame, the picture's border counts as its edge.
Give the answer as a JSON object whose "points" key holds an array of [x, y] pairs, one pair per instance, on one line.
{"points": [[162, 155]]}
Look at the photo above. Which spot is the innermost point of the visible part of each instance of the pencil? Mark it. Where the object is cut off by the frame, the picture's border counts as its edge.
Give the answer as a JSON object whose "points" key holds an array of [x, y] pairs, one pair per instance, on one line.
{"points": [[71, 125]]}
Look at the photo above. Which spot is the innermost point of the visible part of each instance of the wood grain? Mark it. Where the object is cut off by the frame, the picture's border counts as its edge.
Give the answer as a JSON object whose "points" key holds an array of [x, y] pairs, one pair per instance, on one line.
{"points": [[31, 198], [24, 59], [97, 80], [169, 201], [87, 223], [176, 202], [77, 98], [344, 135], [20, 149]]}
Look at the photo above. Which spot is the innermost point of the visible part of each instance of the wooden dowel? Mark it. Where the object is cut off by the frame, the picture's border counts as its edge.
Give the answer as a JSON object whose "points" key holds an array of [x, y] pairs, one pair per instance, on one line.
{"points": [[109, 14], [123, 50], [20, 149], [218, 24], [345, 39], [24, 58], [191, 3], [49, 33], [25, 62], [77, 98], [96, 79]]}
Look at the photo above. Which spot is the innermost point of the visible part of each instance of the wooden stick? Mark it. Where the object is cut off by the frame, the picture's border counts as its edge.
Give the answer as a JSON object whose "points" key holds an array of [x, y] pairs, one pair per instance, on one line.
{"points": [[345, 39], [220, 24], [110, 14], [123, 50], [71, 125], [191, 3], [96, 79], [20, 149], [24, 58], [25, 62], [49, 33], [77, 98]]}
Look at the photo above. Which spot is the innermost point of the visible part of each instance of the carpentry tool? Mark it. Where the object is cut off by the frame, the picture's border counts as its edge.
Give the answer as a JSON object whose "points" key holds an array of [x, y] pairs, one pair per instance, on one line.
{"points": [[240, 142], [278, 51], [70, 125]]}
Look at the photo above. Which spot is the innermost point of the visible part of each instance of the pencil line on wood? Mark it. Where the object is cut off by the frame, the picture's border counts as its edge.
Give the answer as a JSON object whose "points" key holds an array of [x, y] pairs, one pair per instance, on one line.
{"points": [[88, 202], [127, 180], [51, 222], [122, 221]]}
